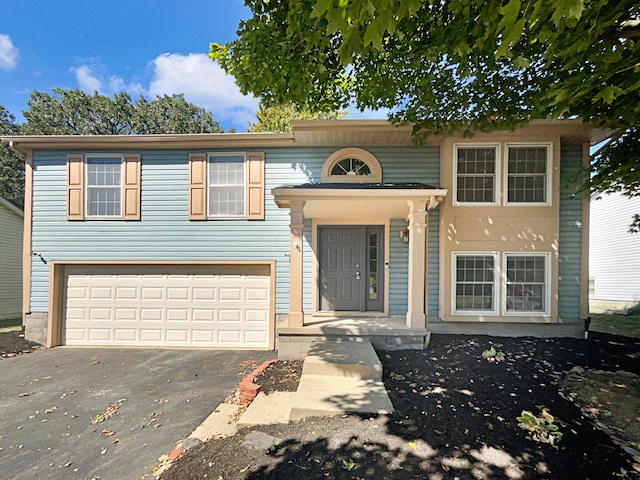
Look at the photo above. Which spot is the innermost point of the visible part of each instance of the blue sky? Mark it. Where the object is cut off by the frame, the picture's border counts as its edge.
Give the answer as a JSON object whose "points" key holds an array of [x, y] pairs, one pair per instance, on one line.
{"points": [[148, 47]]}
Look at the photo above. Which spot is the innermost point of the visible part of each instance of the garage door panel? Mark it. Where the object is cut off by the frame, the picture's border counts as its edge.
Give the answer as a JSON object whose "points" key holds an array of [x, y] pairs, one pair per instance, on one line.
{"points": [[176, 293], [127, 293], [204, 293], [126, 314], [100, 335], [204, 306], [125, 335]]}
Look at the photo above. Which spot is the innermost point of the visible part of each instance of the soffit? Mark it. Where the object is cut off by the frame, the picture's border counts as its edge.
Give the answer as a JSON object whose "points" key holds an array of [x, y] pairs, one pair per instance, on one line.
{"points": [[322, 201]]}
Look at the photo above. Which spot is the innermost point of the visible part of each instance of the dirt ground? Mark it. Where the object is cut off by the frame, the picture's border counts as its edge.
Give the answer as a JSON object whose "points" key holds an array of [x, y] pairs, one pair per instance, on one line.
{"points": [[456, 417], [14, 343]]}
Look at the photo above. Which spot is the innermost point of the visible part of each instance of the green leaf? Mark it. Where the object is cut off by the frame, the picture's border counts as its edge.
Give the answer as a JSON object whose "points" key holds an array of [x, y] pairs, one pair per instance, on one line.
{"points": [[510, 37], [372, 36], [567, 9], [608, 94]]}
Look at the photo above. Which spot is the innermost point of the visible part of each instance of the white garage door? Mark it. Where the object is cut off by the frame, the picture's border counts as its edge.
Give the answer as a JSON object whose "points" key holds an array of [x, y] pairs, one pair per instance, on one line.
{"points": [[198, 306]]}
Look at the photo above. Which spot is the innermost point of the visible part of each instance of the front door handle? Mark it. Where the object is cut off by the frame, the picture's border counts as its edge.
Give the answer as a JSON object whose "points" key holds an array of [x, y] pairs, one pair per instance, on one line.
{"points": [[357, 275]]}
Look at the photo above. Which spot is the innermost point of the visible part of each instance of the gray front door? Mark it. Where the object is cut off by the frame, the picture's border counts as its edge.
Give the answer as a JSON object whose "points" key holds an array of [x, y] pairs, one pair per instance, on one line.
{"points": [[351, 268]]}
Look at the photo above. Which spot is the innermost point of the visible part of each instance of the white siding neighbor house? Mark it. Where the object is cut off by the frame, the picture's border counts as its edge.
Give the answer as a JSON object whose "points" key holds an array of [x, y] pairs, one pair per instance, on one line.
{"points": [[614, 254], [11, 222]]}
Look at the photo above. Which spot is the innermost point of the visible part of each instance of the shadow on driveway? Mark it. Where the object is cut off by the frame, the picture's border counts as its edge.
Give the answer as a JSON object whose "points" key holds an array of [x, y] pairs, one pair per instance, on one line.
{"points": [[49, 398]]}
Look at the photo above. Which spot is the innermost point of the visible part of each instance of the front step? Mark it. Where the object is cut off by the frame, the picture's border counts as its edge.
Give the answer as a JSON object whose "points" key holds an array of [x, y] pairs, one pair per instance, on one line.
{"points": [[343, 359], [340, 377], [320, 395]]}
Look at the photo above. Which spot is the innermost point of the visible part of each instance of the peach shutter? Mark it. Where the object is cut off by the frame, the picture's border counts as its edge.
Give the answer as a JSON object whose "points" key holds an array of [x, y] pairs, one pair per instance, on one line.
{"points": [[197, 186], [255, 185], [131, 187], [75, 187]]}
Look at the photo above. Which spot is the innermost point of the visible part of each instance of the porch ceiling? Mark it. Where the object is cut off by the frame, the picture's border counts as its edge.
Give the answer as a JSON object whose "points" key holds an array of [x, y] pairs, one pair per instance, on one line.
{"points": [[357, 201]]}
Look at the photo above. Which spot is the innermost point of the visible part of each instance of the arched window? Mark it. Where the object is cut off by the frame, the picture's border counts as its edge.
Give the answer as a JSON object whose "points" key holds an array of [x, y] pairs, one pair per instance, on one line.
{"points": [[351, 165]]}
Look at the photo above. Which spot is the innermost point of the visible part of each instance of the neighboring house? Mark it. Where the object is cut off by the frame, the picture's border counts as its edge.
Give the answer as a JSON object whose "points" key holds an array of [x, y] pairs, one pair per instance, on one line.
{"points": [[11, 227], [265, 240], [614, 253]]}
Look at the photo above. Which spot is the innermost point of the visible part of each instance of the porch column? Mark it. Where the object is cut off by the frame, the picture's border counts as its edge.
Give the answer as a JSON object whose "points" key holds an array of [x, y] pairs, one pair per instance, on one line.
{"points": [[296, 315], [416, 316]]}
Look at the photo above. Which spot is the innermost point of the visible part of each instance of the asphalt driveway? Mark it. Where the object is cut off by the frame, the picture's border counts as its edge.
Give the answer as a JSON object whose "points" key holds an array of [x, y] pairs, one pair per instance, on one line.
{"points": [[49, 398]]}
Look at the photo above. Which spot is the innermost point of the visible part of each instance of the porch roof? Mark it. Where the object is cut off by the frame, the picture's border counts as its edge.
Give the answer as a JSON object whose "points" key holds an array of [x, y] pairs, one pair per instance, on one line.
{"points": [[355, 200]]}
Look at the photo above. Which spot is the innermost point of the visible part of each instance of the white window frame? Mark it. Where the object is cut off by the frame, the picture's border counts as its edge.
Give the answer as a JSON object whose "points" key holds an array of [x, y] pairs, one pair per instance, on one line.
{"points": [[497, 173], [548, 173], [496, 279], [87, 187], [242, 155], [364, 156], [547, 286]]}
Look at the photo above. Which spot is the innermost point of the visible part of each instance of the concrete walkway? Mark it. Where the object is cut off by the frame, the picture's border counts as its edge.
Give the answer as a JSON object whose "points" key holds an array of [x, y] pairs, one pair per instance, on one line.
{"points": [[337, 377]]}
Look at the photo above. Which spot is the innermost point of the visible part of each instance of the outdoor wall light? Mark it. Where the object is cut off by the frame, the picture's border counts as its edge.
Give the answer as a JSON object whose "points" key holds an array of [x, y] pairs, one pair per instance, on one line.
{"points": [[404, 235]]}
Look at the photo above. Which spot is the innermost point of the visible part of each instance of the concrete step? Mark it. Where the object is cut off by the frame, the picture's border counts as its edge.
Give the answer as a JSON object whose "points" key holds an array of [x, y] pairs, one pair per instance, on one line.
{"points": [[268, 409], [320, 395], [343, 359]]}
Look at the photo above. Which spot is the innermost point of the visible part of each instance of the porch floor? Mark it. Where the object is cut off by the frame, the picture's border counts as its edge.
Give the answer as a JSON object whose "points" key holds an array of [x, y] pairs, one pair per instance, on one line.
{"points": [[387, 333]]}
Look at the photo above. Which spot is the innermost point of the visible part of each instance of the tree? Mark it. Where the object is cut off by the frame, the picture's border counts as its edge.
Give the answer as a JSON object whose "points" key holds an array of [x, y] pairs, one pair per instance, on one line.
{"points": [[450, 65], [277, 118], [171, 114], [73, 112], [11, 165]]}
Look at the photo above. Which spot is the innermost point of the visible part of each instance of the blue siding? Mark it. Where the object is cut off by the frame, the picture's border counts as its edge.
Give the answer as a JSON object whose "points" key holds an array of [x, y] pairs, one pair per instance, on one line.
{"points": [[398, 269], [433, 263], [165, 232], [570, 243]]}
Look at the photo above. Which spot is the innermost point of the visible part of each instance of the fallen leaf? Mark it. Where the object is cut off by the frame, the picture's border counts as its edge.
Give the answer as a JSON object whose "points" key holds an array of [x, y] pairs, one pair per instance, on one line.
{"points": [[25, 394]]}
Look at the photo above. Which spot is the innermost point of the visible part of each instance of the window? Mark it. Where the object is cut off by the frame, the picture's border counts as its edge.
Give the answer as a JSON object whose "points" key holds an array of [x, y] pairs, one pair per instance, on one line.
{"points": [[351, 165], [104, 186], [507, 174], [476, 168], [474, 283], [527, 173], [526, 283], [226, 186]]}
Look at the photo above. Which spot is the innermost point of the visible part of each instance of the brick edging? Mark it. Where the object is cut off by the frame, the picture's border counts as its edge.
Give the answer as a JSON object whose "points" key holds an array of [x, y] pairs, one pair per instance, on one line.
{"points": [[248, 389]]}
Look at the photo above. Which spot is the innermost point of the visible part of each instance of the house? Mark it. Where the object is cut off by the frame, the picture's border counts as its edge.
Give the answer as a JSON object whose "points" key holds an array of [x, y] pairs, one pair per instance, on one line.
{"points": [[11, 224], [614, 253], [266, 240]]}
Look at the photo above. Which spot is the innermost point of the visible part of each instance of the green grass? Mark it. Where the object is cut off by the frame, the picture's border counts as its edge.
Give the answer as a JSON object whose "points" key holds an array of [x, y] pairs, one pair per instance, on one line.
{"points": [[616, 324]]}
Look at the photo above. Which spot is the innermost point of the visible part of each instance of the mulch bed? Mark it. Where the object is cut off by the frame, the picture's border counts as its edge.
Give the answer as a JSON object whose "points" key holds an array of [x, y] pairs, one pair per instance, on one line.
{"points": [[281, 376], [455, 419], [14, 343]]}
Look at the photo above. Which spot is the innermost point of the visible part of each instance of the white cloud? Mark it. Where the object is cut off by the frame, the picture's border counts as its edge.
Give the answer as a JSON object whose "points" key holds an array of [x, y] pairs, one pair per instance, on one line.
{"points": [[203, 83], [8, 53], [87, 79], [117, 84]]}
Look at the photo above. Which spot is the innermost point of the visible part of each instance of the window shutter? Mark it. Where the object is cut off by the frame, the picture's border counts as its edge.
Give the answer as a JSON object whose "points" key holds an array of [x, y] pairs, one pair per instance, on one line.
{"points": [[197, 186], [255, 185], [131, 187], [75, 187]]}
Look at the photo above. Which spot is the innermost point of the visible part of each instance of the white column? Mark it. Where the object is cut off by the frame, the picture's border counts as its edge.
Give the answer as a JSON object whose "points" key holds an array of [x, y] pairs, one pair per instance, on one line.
{"points": [[296, 315], [416, 316]]}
